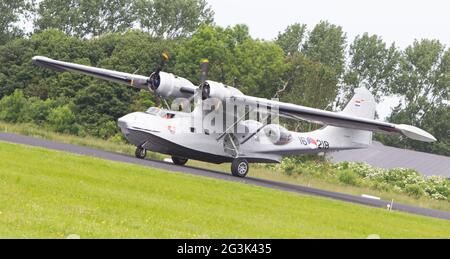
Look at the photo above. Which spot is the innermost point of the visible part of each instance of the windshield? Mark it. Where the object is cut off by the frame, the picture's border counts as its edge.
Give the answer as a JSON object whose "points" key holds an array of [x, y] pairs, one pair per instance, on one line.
{"points": [[159, 112], [156, 111]]}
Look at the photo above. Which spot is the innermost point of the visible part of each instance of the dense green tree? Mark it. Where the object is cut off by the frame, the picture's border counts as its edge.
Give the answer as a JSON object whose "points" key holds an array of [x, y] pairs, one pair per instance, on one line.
{"points": [[63, 15], [172, 19], [253, 66], [11, 13], [326, 44], [424, 77], [106, 16], [216, 44], [143, 101], [308, 83], [131, 52], [85, 17], [424, 85], [372, 65], [260, 66], [292, 38], [53, 84], [100, 102], [14, 73], [18, 72]]}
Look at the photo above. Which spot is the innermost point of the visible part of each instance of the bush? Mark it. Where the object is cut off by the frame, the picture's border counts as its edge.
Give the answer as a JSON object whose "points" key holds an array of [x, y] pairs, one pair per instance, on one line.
{"points": [[62, 119], [399, 180], [118, 138], [288, 165], [414, 190], [348, 177], [38, 111], [107, 129], [13, 107]]}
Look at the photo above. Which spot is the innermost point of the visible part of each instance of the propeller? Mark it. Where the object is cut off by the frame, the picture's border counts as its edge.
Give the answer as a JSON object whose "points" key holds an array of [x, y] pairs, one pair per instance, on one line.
{"points": [[205, 89], [155, 80]]}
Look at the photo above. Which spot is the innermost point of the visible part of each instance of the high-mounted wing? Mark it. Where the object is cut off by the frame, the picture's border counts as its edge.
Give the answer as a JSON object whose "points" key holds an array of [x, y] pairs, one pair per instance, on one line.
{"points": [[163, 84], [110, 75], [343, 119]]}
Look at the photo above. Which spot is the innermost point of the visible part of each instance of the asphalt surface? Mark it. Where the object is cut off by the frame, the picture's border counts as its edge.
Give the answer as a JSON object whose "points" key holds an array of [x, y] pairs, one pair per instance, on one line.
{"points": [[8, 137]]}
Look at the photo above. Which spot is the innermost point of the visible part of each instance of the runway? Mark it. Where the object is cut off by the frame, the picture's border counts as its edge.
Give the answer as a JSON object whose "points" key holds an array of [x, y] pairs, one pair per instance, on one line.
{"points": [[13, 138]]}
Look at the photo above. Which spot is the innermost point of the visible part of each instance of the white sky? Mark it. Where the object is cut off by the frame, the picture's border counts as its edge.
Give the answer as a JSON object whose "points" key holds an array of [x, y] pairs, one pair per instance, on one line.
{"points": [[399, 21]]}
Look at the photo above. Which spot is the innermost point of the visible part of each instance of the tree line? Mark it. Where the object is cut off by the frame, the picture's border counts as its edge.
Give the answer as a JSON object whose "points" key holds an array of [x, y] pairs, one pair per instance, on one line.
{"points": [[317, 67]]}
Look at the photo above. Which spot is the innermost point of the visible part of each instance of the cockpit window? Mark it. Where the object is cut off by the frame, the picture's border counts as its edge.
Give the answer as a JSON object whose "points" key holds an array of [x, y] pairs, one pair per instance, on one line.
{"points": [[154, 111], [169, 116]]}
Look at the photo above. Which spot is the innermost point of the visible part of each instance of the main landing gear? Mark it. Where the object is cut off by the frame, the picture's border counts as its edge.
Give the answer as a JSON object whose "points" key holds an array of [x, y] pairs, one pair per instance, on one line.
{"points": [[179, 160], [239, 167], [141, 152]]}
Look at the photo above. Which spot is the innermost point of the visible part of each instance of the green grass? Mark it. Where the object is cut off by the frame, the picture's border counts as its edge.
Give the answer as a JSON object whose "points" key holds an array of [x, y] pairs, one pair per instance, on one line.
{"points": [[255, 171], [50, 194]]}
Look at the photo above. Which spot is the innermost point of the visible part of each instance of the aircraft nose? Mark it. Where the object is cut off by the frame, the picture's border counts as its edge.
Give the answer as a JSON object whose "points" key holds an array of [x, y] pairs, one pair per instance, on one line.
{"points": [[123, 124]]}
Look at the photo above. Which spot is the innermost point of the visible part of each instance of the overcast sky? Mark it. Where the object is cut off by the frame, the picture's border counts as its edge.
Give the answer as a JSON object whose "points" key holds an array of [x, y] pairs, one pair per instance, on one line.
{"points": [[399, 21]]}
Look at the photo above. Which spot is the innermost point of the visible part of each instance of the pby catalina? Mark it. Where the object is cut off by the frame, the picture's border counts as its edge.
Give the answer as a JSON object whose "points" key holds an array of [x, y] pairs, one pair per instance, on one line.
{"points": [[229, 126]]}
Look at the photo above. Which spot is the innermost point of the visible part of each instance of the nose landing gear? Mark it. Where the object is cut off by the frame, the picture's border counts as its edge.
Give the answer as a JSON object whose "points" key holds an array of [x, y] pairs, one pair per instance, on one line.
{"points": [[140, 152]]}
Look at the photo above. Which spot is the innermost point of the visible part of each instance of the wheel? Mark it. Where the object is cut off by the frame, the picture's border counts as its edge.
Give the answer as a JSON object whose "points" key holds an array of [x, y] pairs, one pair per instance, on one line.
{"points": [[141, 152], [179, 160], [239, 167]]}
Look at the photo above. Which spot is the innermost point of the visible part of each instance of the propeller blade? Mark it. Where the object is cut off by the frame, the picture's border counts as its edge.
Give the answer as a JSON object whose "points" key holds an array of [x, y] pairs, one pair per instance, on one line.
{"points": [[205, 89], [205, 66], [162, 63], [155, 80]]}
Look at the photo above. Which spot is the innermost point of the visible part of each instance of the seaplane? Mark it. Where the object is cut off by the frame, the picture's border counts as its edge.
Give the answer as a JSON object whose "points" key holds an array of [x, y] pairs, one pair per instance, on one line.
{"points": [[217, 123]]}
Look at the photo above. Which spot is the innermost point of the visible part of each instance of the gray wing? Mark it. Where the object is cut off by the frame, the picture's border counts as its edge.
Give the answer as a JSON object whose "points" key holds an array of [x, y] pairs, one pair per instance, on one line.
{"points": [[344, 120], [110, 75]]}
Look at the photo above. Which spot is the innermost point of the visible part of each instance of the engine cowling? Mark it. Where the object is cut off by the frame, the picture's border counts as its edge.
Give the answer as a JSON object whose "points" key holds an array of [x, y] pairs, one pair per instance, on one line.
{"points": [[170, 85], [277, 134], [219, 91]]}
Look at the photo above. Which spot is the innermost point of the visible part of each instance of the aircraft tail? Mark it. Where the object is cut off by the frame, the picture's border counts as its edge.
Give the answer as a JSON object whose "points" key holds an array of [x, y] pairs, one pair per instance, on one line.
{"points": [[361, 105]]}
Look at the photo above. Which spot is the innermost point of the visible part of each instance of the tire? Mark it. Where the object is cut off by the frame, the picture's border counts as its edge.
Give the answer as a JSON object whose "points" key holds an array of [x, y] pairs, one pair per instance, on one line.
{"points": [[179, 160], [140, 153], [239, 167]]}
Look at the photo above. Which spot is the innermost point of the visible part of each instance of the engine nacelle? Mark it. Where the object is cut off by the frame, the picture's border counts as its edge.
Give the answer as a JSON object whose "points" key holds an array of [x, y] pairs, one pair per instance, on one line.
{"points": [[219, 91], [170, 85], [277, 134]]}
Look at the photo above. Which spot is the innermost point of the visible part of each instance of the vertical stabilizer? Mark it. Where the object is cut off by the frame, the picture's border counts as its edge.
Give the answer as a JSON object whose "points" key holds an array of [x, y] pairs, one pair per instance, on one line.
{"points": [[361, 105]]}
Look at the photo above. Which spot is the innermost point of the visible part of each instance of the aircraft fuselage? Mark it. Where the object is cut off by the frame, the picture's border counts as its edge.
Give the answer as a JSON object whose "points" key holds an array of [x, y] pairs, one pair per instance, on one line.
{"points": [[176, 134]]}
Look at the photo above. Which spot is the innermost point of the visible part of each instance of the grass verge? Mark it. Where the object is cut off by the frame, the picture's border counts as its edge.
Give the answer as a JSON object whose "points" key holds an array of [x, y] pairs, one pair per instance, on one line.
{"points": [[55, 194]]}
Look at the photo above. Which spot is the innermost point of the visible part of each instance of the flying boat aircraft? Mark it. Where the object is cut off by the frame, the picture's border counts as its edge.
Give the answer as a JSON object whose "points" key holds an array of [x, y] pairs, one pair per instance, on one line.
{"points": [[228, 126]]}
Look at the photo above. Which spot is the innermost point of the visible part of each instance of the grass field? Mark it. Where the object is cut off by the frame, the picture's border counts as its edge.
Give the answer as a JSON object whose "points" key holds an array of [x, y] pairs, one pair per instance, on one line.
{"points": [[49, 194], [256, 171]]}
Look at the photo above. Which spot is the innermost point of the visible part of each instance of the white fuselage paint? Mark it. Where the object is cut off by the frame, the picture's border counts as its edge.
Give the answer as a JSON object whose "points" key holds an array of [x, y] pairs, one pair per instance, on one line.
{"points": [[177, 130]]}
